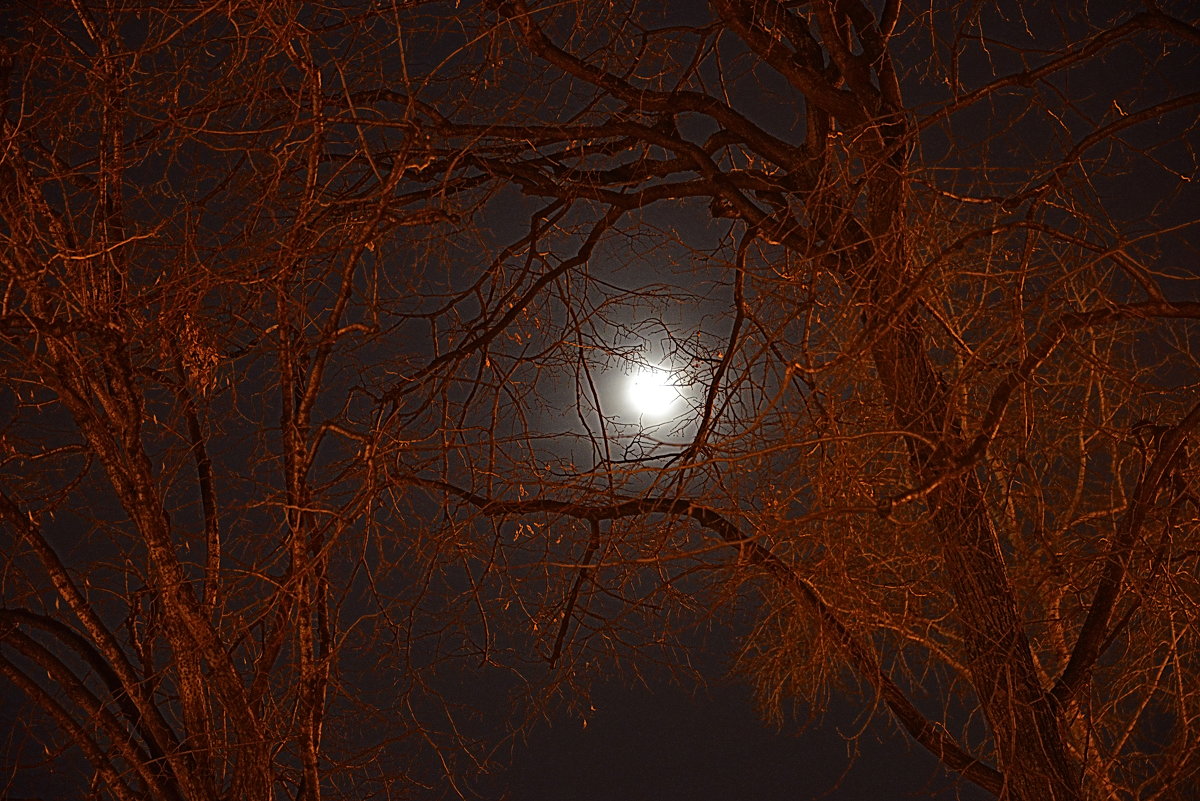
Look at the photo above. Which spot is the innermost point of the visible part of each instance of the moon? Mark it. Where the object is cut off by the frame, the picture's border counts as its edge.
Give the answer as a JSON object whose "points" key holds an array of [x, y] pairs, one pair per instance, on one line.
{"points": [[653, 392]]}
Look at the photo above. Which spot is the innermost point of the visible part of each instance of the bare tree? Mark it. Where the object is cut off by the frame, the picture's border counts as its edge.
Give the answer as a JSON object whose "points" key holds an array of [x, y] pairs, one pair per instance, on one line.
{"points": [[317, 324]]}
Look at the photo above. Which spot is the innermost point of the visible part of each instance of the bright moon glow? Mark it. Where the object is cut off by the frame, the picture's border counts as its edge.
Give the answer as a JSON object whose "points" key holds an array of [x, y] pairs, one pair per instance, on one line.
{"points": [[653, 392]]}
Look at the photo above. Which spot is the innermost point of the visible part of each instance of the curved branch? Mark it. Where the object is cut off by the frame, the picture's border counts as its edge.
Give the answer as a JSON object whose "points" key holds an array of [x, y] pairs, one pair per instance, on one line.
{"points": [[158, 732], [95, 711], [112, 682], [68, 724]]}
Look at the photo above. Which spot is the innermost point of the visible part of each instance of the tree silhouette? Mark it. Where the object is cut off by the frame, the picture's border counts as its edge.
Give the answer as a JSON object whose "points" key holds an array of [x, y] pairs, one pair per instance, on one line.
{"points": [[318, 323]]}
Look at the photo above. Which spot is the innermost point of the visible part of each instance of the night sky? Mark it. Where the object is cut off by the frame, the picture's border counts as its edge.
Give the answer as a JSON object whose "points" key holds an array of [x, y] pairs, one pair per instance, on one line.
{"points": [[672, 742], [651, 735]]}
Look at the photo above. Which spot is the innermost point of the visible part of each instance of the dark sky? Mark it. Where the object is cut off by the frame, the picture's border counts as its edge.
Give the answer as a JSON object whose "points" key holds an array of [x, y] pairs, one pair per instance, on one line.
{"points": [[666, 742]]}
